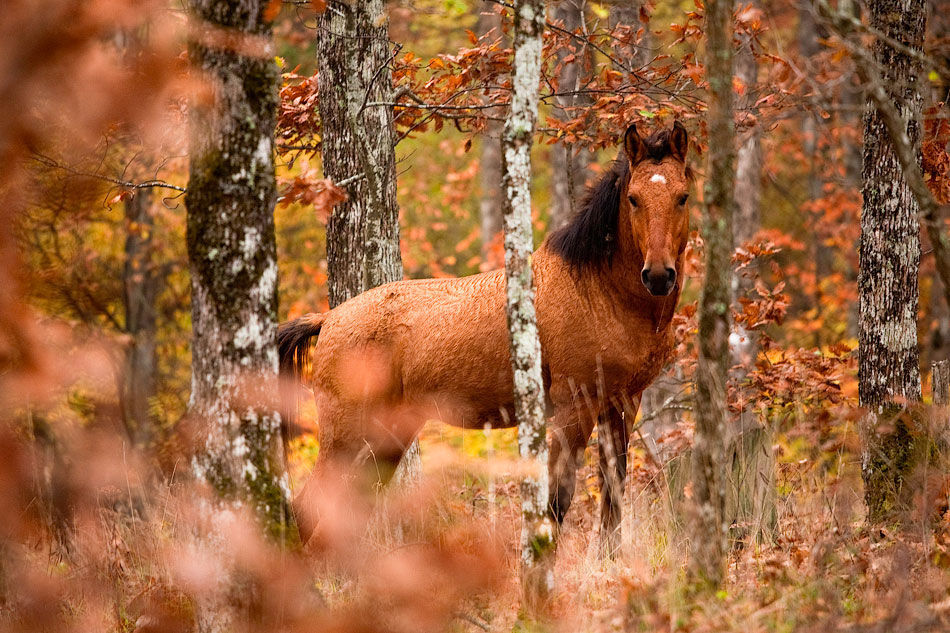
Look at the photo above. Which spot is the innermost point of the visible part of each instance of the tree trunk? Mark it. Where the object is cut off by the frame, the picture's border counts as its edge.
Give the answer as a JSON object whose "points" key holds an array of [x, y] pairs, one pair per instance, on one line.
{"points": [[940, 420], [748, 191], [537, 532], [708, 538], [141, 286], [232, 257], [491, 204], [888, 370], [569, 166], [750, 505], [627, 13], [358, 147], [808, 47]]}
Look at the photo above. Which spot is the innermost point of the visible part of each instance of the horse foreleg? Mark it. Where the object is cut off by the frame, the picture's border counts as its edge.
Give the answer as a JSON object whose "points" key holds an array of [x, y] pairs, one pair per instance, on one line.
{"points": [[612, 438], [568, 441]]}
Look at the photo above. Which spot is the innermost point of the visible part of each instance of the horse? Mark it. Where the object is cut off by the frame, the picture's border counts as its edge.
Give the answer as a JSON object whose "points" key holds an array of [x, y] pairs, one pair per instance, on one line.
{"points": [[607, 285]]}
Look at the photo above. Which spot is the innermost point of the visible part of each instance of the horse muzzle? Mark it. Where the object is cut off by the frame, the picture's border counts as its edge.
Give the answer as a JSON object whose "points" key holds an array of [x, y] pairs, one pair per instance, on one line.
{"points": [[659, 281]]}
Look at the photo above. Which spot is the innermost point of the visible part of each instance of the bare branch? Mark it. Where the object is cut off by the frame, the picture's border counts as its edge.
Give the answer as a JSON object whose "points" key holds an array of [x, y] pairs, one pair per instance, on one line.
{"points": [[125, 184]]}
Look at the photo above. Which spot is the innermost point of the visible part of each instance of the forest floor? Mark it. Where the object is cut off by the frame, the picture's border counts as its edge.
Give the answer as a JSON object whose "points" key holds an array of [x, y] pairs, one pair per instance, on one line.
{"points": [[443, 555], [822, 569]]}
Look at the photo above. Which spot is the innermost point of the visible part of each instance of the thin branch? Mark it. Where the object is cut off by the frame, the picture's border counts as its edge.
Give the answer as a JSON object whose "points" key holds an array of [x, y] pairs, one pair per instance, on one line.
{"points": [[126, 184], [350, 180]]}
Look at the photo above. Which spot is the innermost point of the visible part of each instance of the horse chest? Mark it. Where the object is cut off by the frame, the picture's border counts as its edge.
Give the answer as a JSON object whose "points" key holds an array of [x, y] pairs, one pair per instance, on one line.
{"points": [[634, 357], [621, 351]]}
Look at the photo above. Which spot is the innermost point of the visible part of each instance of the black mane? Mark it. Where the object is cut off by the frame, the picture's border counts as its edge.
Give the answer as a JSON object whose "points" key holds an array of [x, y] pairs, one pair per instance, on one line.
{"points": [[589, 239]]}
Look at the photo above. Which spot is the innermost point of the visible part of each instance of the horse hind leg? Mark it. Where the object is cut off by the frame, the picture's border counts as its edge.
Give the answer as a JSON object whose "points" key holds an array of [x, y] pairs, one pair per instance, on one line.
{"points": [[334, 485], [361, 448]]}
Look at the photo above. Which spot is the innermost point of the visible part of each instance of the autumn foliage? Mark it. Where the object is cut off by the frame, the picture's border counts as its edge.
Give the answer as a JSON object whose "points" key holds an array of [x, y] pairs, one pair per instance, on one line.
{"points": [[99, 532]]}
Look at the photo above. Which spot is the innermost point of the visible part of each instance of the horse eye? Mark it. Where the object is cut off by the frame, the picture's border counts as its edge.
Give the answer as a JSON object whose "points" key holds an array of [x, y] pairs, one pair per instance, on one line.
{"points": [[683, 199], [633, 203]]}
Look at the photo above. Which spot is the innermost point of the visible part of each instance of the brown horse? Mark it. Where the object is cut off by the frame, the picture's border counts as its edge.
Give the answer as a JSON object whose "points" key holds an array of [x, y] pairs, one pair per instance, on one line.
{"points": [[607, 287]]}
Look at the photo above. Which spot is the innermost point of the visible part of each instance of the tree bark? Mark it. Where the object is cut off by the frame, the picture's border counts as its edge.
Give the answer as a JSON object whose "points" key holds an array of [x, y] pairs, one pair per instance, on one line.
{"points": [[537, 532], [569, 165], [708, 538], [141, 283], [358, 146], [888, 370], [232, 258], [491, 203], [748, 191]]}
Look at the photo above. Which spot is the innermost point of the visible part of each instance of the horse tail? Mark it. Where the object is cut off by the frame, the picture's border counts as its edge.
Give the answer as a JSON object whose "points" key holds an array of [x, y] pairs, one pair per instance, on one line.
{"points": [[294, 339]]}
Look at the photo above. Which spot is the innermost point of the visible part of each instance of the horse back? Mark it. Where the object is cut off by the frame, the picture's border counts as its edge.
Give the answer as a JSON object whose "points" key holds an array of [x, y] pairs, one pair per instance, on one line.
{"points": [[435, 342]]}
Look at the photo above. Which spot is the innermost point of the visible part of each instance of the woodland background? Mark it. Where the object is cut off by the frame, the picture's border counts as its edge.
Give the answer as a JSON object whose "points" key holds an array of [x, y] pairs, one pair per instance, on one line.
{"points": [[97, 324]]}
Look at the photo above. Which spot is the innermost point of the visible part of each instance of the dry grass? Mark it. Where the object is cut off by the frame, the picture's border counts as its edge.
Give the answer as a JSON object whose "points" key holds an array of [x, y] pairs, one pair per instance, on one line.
{"points": [[97, 540]]}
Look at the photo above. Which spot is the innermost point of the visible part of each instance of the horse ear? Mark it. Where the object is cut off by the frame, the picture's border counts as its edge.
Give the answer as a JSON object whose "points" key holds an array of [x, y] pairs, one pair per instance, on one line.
{"points": [[634, 146], [679, 143]]}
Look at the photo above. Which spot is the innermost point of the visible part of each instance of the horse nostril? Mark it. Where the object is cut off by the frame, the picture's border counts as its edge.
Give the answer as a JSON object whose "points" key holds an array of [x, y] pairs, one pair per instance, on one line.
{"points": [[671, 275], [645, 276]]}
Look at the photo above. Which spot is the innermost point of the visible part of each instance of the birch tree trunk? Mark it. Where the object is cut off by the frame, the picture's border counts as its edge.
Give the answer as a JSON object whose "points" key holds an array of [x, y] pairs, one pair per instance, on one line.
{"points": [[358, 147], [569, 166], [232, 257], [537, 531], [888, 370], [708, 527]]}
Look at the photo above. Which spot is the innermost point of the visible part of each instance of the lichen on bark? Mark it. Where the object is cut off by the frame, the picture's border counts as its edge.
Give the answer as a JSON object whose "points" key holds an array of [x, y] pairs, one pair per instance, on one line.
{"points": [[232, 259], [888, 367], [358, 146], [537, 535]]}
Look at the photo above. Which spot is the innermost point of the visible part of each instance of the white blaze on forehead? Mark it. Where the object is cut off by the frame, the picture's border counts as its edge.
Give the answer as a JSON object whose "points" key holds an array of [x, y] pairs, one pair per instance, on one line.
{"points": [[658, 178]]}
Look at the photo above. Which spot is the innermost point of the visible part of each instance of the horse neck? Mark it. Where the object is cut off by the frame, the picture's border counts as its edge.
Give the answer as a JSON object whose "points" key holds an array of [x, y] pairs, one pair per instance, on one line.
{"points": [[619, 284]]}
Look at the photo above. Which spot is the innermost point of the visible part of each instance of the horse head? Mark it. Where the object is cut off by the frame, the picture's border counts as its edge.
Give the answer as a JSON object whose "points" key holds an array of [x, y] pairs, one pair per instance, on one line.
{"points": [[653, 205]]}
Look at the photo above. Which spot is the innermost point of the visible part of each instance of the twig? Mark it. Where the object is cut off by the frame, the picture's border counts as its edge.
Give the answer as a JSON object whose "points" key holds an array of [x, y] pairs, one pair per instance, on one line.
{"points": [[126, 184], [383, 66], [350, 180], [472, 620]]}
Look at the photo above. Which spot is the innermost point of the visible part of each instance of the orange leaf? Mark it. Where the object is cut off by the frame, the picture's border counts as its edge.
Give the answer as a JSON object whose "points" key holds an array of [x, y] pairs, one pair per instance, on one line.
{"points": [[271, 10]]}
